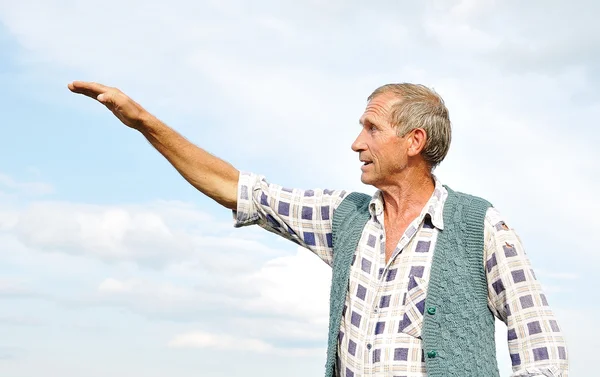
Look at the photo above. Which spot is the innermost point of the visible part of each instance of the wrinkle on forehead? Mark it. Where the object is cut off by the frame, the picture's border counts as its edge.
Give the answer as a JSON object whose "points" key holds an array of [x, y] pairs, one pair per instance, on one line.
{"points": [[379, 108]]}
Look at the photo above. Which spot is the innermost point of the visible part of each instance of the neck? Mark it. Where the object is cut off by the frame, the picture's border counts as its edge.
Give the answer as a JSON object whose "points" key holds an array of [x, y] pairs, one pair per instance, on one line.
{"points": [[406, 198]]}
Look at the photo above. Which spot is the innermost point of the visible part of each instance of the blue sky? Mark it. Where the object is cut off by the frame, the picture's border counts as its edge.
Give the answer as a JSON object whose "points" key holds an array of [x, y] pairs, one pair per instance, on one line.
{"points": [[111, 264]]}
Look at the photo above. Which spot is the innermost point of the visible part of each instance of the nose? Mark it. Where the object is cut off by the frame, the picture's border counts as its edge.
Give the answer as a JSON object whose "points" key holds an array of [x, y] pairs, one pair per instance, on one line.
{"points": [[359, 145]]}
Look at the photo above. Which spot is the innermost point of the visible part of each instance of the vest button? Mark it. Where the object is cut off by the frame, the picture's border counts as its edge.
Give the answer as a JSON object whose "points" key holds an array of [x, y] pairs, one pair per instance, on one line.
{"points": [[369, 346], [431, 354], [431, 310]]}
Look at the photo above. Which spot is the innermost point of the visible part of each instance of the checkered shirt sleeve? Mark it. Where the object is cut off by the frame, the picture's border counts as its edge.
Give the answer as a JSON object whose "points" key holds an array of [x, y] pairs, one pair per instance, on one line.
{"points": [[302, 216], [536, 344]]}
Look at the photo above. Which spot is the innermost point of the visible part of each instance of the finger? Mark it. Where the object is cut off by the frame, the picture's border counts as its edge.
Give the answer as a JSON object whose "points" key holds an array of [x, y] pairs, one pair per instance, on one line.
{"points": [[88, 93], [106, 98], [86, 88]]}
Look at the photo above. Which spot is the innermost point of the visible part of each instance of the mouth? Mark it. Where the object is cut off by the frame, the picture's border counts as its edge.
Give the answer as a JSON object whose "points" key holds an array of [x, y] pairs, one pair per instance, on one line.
{"points": [[365, 163]]}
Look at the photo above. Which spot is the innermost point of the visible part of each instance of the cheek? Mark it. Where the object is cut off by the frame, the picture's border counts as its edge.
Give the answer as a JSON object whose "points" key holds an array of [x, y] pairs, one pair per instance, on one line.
{"points": [[394, 156]]}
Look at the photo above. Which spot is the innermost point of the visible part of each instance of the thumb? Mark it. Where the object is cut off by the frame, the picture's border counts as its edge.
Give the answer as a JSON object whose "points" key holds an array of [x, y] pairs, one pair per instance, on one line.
{"points": [[105, 98]]}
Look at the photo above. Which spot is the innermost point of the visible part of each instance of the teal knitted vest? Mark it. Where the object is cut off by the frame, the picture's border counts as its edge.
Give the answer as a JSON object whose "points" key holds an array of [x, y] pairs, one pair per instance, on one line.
{"points": [[458, 327]]}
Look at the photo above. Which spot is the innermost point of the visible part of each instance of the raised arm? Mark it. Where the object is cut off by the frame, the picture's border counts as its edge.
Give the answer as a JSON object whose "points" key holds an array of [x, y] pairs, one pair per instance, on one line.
{"points": [[209, 174]]}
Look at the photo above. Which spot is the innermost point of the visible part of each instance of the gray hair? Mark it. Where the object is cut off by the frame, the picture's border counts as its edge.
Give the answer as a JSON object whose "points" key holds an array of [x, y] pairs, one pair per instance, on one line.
{"points": [[420, 107]]}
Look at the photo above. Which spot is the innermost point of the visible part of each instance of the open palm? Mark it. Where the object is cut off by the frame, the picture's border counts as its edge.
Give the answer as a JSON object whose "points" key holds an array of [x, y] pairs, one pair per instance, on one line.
{"points": [[127, 110]]}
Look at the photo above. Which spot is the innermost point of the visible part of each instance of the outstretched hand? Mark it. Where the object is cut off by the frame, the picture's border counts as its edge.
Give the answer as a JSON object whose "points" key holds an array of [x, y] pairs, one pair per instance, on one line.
{"points": [[127, 110]]}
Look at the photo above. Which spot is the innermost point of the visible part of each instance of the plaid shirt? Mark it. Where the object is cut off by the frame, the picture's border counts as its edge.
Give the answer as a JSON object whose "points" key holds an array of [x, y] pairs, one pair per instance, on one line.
{"points": [[381, 327]]}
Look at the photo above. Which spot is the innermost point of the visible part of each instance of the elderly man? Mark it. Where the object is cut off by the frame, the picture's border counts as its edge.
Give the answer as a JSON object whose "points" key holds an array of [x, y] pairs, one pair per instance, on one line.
{"points": [[419, 270]]}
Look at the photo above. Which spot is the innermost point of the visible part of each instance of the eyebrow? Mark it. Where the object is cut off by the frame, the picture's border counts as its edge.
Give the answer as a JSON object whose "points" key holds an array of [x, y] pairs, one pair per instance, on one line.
{"points": [[367, 121]]}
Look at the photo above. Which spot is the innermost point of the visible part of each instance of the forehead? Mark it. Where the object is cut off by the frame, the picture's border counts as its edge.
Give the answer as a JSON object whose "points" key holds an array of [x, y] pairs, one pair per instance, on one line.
{"points": [[378, 108]]}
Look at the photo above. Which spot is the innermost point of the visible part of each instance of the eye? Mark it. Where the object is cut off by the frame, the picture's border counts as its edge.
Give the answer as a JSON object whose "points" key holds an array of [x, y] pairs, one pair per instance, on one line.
{"points": [[369, 127]]}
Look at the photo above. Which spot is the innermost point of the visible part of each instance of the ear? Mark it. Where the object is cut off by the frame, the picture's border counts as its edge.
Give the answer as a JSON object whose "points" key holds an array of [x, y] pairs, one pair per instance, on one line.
{"points": [[416, 139]]}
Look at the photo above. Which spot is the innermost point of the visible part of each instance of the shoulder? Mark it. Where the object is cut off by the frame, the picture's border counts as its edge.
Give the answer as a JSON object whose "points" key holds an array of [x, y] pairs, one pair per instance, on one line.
{"points": [[495, 219], [462, 199], [356, 199], [352, 203]]}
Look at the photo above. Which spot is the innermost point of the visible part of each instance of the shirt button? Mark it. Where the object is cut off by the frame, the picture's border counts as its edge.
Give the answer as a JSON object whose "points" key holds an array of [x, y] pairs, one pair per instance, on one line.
{"points": [[369, 346], [376, 309], [431, 354], [431, 310]]}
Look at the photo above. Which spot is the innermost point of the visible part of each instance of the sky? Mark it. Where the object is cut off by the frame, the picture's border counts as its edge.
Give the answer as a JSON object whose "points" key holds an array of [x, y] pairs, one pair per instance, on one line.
{"points": [[112, 265]]}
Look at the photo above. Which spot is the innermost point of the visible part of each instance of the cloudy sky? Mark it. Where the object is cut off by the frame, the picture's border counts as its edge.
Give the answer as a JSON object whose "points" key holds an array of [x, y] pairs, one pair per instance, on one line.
{"points": [[112, 265]]}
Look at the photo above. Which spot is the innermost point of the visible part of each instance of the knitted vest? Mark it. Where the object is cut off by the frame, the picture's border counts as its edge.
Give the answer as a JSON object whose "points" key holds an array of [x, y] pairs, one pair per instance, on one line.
{"points": [[458, 327]]}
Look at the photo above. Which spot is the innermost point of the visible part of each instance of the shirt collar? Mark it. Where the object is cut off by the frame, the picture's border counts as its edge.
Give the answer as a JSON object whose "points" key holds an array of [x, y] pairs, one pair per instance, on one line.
{"points": [[434, 208]]}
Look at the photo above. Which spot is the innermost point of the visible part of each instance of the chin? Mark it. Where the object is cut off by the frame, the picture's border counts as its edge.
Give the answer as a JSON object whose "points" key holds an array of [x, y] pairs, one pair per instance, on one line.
{"points": [[371, 180], [364, 178]]}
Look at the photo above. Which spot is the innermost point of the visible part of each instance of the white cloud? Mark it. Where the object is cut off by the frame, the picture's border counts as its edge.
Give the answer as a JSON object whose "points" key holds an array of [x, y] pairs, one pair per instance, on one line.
{"points": [[451, 25], [230, 343], [278, 290], [293, 285], [111, 285], [556, 275], [156, 234], [14, 287], [20, 321], [502, 352], [580, 330], [285, 331], [11, 353], [204, 267], [274, 309], [222, 342], [111, 234], [165, 300], [27, 188]]}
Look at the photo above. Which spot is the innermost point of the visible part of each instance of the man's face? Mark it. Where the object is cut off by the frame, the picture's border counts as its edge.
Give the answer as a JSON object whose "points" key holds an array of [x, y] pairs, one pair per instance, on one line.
{"points": [[383, 153]]}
